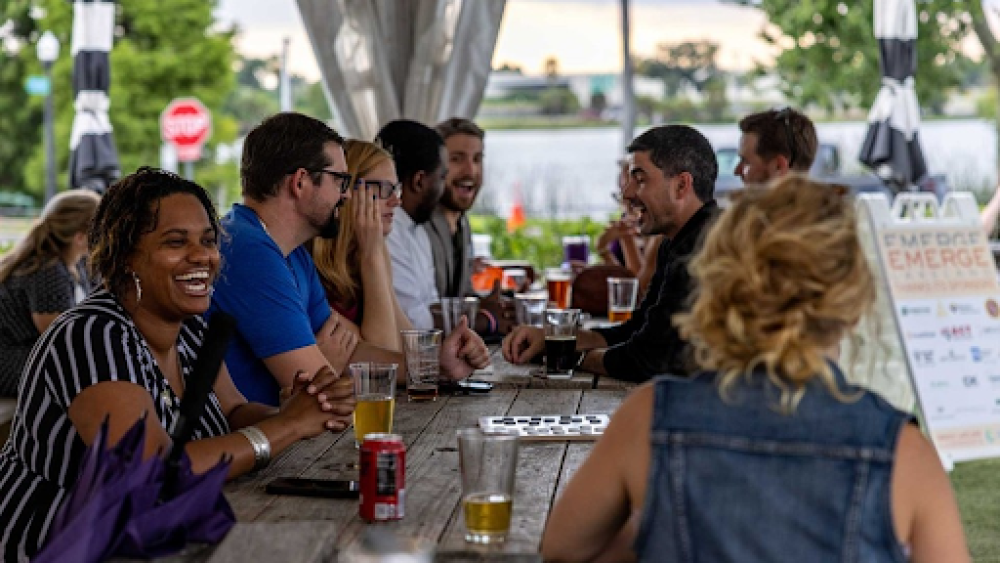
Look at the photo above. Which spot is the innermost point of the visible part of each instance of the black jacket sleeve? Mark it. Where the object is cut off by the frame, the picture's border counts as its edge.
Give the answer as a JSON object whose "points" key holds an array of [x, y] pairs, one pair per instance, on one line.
{"points": [[656, 346]]}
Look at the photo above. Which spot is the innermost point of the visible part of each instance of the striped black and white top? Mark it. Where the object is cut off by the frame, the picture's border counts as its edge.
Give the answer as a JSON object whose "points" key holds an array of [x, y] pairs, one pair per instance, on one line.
{"points": [[91, 343]]}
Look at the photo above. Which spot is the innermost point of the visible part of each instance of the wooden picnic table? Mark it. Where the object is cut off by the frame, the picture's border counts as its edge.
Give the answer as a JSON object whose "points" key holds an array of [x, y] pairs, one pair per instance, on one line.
{"points": [[302, 529]]}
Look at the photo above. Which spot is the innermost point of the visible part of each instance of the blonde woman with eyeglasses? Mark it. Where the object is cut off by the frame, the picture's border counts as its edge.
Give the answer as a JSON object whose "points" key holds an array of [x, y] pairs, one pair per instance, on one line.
{"points": [[767, 454], [355, 267]]}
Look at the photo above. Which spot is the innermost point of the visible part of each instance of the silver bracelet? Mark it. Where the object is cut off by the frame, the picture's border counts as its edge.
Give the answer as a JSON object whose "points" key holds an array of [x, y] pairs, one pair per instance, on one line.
{"points": [[261, 446]]}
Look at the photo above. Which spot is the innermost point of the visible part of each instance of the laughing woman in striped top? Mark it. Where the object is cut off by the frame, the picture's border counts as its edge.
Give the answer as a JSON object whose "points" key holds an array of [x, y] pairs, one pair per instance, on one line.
{"points": [[128, 349]]}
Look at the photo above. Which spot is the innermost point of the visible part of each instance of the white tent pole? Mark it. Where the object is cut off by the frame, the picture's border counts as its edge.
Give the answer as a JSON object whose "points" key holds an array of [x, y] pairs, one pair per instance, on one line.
{"points": [[628, 95]]}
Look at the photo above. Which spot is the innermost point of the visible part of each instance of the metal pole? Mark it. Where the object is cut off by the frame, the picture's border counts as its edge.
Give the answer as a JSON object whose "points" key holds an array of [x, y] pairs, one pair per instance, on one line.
{"points": [[50, 143], [628, 94], [189, 170], [284, 82]]}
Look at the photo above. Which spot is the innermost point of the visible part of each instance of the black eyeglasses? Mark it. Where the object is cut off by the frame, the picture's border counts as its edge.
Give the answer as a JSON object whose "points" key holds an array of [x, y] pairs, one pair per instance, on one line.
{"points": [[385, 188], [342, 177], [785, 115]]}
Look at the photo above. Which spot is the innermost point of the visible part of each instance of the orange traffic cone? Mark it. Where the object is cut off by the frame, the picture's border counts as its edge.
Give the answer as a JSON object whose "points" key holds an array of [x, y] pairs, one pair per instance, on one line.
{"points": [[516, 219]]}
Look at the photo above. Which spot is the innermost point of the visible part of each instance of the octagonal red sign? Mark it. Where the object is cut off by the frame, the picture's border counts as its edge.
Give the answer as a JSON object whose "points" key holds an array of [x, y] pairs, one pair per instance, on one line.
{"points": [[186, 124]]}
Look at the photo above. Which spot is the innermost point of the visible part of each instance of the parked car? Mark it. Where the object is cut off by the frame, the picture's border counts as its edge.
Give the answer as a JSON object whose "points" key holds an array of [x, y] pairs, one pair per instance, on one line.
{"points": [[15, 204], [826, 167]]}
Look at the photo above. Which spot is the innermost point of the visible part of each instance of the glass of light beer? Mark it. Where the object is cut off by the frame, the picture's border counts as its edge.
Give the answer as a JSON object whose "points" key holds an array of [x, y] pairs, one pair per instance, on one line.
{"points": [[421, 347], [560, 342], [622, 293], [375, 393], [560, 288], [488, 463]]}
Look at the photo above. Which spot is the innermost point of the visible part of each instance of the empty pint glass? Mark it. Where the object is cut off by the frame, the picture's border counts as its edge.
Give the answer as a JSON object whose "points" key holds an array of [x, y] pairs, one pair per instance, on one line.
{"points": [[530, 308], [488, 463], [560, 342], [421, 347], [453, 308]]}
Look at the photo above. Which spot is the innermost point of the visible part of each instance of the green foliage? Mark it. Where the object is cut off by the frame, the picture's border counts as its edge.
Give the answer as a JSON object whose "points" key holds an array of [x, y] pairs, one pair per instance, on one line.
{"points": [[558, 101], [20, 115], [829, 54], [690, 63], [164, 50], [539, 241]]}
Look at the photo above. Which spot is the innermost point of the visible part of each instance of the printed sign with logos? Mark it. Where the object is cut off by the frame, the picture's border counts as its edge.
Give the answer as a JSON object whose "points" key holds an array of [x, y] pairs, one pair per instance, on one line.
{"points": [[945, 294]]}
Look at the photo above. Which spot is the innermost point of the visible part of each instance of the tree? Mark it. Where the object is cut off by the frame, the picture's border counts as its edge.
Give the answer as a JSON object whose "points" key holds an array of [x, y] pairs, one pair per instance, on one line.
{"points": [[162, 50], [692, 63], [20, 116], [829, 54], [992, 54]]}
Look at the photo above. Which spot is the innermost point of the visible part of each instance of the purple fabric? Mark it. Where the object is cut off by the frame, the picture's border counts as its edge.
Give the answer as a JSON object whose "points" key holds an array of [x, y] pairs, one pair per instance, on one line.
{"points": [[113, 508]]}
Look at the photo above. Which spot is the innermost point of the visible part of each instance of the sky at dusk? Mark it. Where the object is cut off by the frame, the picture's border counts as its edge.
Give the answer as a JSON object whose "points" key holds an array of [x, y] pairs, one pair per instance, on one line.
{"points": [[584, 35]]}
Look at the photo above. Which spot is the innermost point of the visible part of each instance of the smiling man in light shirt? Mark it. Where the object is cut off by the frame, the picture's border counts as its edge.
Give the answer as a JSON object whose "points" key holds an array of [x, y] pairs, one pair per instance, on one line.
{"points": [[448, 229]]}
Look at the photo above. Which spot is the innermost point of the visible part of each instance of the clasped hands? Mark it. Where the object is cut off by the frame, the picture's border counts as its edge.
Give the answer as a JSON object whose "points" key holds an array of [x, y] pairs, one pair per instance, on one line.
{"points": [[319, 401]]}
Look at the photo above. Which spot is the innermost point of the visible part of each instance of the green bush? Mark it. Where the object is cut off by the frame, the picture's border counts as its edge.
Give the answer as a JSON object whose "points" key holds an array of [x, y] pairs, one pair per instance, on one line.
{"points": [[539, 241]]}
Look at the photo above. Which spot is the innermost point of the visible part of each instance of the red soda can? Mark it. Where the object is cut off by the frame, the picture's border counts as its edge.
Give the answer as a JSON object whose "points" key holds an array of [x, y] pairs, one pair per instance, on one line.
{"points": [[383, 477]]}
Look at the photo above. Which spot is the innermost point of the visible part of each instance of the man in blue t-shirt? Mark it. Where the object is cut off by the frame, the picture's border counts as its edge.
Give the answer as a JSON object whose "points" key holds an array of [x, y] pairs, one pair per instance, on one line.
{"points": [[294, 178]]}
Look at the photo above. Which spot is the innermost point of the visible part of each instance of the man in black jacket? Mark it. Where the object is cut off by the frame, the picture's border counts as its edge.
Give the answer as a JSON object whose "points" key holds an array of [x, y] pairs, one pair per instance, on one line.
{"points": [[672, 176]]}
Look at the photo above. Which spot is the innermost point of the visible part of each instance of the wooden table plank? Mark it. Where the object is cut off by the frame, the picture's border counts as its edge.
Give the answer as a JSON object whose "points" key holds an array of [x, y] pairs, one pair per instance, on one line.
{"points": [[288, 542], [604, 401], [538, 469], [246, 494]]}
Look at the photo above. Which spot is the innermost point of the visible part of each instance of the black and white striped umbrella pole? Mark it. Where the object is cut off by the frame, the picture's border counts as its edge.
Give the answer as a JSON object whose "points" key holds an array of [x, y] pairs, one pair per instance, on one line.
{"points": [[93, 158], [892, 146]]}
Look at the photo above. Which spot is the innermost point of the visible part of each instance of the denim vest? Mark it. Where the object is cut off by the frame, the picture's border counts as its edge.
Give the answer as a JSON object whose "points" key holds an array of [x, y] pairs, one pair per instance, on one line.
{"points": [[736, 480]]}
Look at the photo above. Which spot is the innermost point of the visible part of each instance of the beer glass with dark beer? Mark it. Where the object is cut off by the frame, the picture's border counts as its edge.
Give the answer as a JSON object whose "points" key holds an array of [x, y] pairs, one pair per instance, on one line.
{"points": [[560, 342]]}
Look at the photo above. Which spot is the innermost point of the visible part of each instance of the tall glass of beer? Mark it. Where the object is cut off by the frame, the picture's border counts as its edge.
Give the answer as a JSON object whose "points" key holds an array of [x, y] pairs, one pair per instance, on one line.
{"points": [[375, 393], [559, 286], [421, 347], [488, 463], [622, 293], [560, 342]]}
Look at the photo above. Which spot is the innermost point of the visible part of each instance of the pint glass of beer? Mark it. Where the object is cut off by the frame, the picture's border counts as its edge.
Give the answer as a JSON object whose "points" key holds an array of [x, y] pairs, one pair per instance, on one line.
{"points": [[622, 293], [488, 463], [560, 342], [559, 286], [375, 393]]}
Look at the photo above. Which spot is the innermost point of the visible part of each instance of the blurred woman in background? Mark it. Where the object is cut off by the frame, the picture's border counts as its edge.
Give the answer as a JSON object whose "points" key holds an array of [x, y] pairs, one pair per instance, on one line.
{"points": [[768, 454], [45, 274]]}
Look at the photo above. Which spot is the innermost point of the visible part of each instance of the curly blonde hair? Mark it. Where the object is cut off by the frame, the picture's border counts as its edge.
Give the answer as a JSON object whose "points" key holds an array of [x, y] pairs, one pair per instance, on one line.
{"points": [[337, 259], [781, 277]]}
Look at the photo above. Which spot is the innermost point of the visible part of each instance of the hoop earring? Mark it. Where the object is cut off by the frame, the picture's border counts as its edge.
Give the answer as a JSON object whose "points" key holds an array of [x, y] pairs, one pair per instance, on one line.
{"points": [[138, 287]]}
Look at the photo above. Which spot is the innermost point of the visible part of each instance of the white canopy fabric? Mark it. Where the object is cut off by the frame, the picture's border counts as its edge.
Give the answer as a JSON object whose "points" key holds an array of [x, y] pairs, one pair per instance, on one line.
{"points": [[381, 60]]}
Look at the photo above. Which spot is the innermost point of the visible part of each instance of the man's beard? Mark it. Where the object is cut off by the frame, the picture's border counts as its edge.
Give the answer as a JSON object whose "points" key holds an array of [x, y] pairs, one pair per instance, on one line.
{"points": [[332, 226], [451, 203]]}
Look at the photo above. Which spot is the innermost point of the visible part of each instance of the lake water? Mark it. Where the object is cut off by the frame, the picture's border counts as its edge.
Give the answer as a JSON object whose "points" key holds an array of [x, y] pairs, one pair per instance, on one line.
{"points": [[572, 172]]}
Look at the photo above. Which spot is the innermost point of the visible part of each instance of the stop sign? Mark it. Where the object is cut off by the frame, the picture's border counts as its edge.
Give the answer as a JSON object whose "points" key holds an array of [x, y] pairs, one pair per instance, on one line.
{"points": [[186, 124]]}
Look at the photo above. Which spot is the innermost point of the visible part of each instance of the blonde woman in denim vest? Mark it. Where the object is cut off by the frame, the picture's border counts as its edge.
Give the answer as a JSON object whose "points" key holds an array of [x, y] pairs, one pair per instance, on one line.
{"points": [[768, 454]]}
